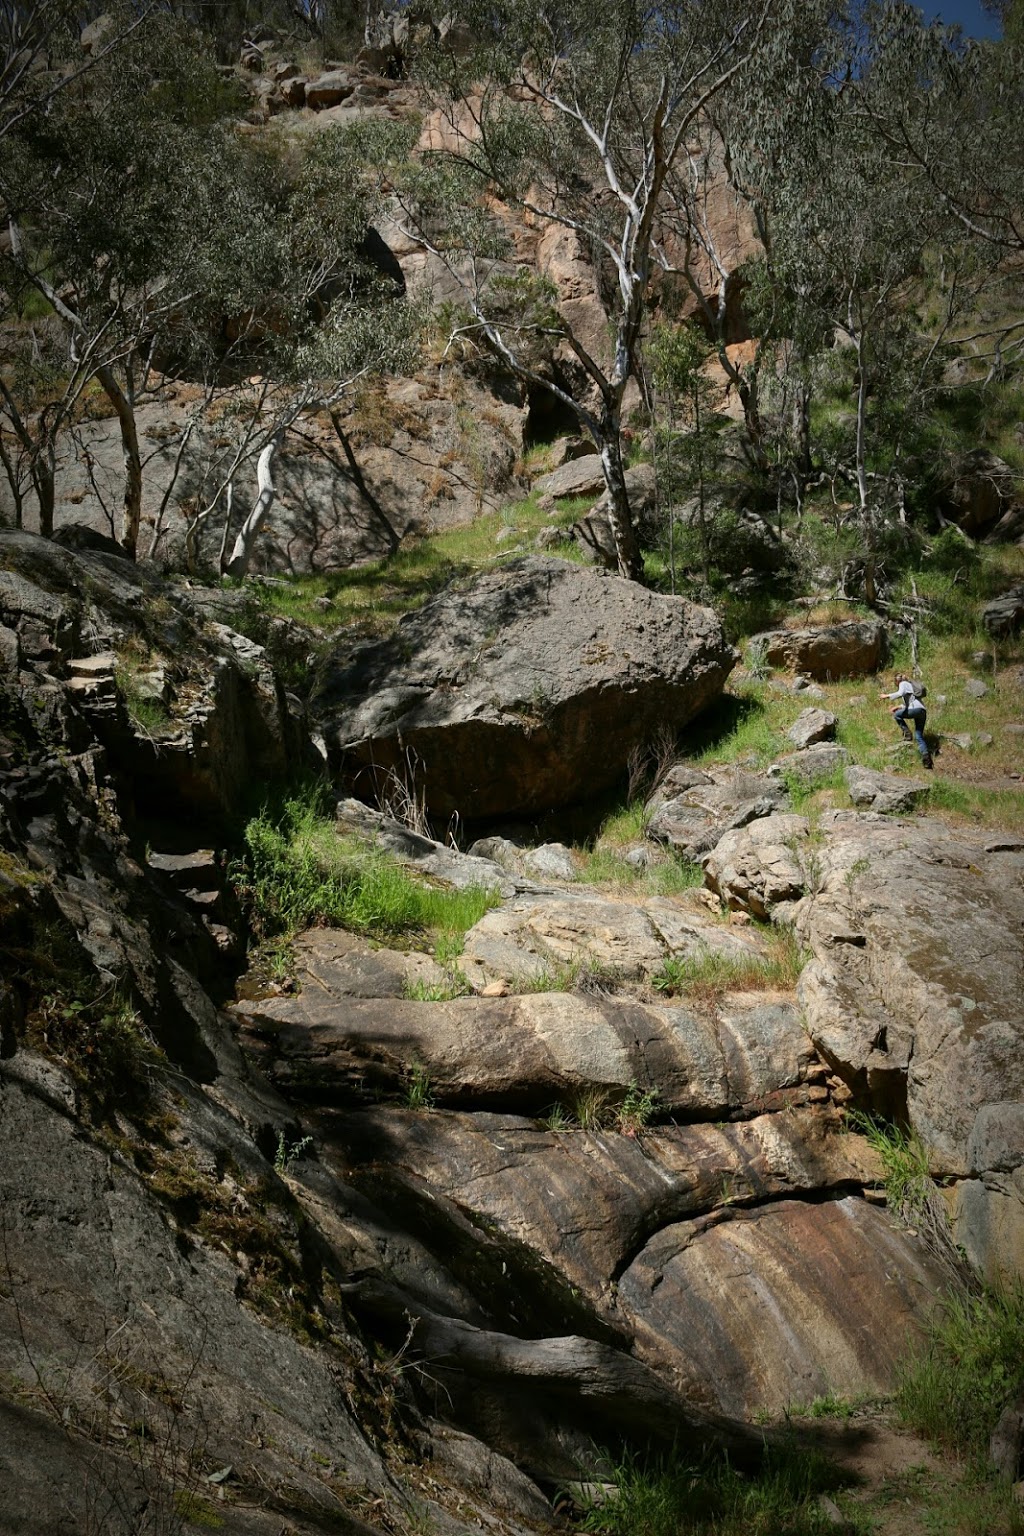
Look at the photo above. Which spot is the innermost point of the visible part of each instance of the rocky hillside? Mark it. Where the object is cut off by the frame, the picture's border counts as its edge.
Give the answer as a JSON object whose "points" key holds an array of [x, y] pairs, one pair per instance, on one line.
{"points": [[381, 1237]]}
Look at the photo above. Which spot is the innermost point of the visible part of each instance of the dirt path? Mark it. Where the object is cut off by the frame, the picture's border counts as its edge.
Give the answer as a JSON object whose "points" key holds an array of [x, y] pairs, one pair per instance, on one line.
{"points": [[900, 1486]]}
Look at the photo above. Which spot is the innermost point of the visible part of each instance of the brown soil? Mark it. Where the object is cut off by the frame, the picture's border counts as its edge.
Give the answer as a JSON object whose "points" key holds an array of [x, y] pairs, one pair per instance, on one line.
{"points": [[899, 1484]]}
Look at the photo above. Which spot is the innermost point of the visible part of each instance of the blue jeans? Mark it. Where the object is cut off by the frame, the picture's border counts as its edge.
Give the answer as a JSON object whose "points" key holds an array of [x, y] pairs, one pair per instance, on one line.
{"points": [[917, 718]]}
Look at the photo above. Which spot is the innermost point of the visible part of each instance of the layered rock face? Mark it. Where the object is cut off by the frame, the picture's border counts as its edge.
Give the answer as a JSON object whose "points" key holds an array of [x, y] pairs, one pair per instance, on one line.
{"points": [[913, 995], [525, 690], [581, 1204], [719, 1237]]}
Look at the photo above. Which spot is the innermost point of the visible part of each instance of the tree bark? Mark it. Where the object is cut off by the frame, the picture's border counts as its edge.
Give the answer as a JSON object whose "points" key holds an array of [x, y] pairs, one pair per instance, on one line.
{"points": [[131, 515], [245, 544], [620, 515]]}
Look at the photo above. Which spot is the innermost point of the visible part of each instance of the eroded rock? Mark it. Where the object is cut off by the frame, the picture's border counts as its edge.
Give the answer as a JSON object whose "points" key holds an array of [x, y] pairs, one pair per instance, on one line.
{"points": [[497, 693]]}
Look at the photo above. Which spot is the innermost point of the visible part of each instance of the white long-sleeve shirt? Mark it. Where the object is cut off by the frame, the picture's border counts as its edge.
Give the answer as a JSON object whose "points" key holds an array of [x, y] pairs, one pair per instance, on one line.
{"points": [[905, 691]]}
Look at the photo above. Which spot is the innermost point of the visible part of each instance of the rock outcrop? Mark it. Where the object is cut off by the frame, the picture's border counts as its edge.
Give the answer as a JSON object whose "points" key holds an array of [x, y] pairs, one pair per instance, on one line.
{"points": [[848, 649], [526, 689], [913, 994]]}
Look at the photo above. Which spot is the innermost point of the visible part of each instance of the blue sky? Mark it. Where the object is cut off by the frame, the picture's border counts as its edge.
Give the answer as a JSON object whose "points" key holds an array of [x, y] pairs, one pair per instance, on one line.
{"points": [[967, 14]]}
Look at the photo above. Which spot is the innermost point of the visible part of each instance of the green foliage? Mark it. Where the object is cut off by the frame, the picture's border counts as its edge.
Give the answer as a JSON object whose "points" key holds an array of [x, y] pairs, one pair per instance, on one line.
{"points": [[591, 1107], [418, 1092], [904, 1159], [148, 714], [454, 985], [803, 790], [706, 974], [289, 1152], [671, 1496], [103, 1041], [956, 1384], [637, 1109], [298, 872]]}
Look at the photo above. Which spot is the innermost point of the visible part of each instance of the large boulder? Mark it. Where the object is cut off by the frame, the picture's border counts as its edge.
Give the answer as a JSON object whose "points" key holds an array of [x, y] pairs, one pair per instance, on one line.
{"points": [[692, 809], [913, 994], [980, 491], [1004, 615], [523, 690], [849, 649]]}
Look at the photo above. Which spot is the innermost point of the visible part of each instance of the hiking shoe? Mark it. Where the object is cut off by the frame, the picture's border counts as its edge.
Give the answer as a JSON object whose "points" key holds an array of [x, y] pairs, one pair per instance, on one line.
{"points": [[927, 761]]}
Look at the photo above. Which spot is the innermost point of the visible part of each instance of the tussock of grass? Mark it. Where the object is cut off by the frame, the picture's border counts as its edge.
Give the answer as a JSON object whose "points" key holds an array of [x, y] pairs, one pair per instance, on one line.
{"points": [[954, 1388], [904, 1160], [705, 975], [672, 1497], [298, 872]]}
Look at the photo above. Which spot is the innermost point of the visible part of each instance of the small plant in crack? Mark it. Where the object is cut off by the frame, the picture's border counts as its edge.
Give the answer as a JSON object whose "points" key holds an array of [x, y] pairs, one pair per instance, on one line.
{"points": [[289, 1152], [418, 1092], [637, 1109]]}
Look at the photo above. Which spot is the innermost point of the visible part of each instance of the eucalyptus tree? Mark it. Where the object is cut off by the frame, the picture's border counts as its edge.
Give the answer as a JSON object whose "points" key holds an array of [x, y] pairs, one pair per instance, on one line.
{"points": [[41, 55], [857, 244], [950, 110], [573, 118], [145, 221], [120, 201]]}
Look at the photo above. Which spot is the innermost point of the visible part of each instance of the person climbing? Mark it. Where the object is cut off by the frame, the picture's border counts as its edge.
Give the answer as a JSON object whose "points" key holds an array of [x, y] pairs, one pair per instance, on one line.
{"points": [[911, 707]]}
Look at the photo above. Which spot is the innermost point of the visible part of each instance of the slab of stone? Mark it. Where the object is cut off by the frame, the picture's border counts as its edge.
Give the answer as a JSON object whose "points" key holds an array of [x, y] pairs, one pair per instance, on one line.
{"points": [[819, 762], [883, 792], [497, 691], [782, 1305], [578, 477], [812, 726], [538, 936], [849, 649], [975, 688], [525, 1053]]}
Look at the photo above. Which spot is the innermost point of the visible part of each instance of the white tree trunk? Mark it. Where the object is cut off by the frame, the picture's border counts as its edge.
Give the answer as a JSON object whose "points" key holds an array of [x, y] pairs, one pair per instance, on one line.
{"points": [[242, 553]]}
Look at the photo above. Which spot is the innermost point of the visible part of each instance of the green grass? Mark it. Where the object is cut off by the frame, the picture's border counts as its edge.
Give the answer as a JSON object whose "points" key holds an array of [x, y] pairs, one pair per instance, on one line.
{"points": [[298, 873], [376, 594], [674, 1497], [904, 1160], [971, 1364], [600, 1109], [444, 991], [707, 974]]}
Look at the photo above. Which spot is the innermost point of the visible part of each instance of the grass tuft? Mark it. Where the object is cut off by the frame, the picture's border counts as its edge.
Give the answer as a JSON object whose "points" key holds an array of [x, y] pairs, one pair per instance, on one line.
{"points": [[674, 1497], [706, 974], [299, 872], [971, 1365]]}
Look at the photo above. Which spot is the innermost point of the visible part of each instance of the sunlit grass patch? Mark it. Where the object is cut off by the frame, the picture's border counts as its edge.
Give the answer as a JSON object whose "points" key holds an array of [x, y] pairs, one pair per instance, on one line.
{"points": [[298, 873], [377, 593], [970, 1366], [706, 975]]}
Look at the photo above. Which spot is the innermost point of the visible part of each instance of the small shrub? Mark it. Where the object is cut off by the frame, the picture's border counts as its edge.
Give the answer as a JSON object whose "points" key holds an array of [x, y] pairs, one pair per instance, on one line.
{"points": [[637, 1109], [289, 1152], [954, 1388]]}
